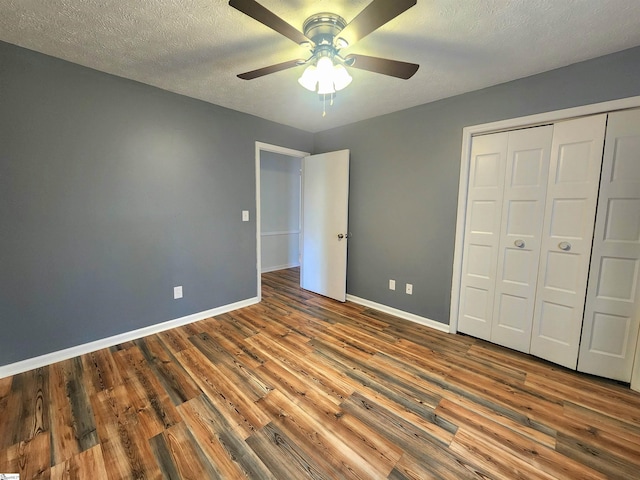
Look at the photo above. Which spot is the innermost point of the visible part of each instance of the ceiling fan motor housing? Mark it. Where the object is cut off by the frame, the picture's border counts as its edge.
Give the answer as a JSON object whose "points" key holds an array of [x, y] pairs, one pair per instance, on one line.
{"points": [[322, 28]]}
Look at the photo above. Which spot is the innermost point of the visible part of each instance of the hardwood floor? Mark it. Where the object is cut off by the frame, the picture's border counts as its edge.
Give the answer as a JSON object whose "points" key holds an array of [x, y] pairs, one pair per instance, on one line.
{"points": [[300, 386]]}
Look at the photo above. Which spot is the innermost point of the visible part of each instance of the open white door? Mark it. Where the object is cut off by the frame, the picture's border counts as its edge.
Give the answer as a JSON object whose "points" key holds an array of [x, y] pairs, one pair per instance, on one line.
{"points": [[325, 201]]}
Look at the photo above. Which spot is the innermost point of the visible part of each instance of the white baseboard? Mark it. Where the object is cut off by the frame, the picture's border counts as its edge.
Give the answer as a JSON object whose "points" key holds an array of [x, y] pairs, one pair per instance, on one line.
{"points": [[279, 267], [400, 313], [53, 357]]}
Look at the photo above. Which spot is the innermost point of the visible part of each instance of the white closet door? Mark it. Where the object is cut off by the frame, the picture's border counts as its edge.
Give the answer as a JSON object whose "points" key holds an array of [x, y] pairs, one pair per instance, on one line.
{"points": [[482, 234], [572, 192], [521, 228], [612, 312]]}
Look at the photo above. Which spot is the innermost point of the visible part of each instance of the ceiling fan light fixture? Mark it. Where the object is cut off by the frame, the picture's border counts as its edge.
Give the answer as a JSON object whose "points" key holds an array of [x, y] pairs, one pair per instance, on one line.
{"points": [[326, 34]]}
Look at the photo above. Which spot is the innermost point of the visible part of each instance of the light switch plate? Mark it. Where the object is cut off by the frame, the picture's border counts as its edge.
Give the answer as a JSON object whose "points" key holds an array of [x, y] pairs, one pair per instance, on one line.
{"points": [[409, 289], [245, 215], [177, 292], [392, 284]]}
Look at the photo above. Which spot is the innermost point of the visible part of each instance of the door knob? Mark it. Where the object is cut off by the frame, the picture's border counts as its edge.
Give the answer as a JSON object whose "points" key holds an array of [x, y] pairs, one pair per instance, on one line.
{"points": [[340, 236], [566, 246], [519, 243]]}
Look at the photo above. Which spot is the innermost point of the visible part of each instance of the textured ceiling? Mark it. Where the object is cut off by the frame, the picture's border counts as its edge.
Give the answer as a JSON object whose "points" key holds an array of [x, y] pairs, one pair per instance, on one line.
{"points": [[196, 47]]}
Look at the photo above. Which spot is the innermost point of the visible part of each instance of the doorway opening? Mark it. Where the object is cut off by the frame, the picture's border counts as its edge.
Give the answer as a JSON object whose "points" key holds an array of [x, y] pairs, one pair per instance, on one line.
{"points": [[278, 191]]}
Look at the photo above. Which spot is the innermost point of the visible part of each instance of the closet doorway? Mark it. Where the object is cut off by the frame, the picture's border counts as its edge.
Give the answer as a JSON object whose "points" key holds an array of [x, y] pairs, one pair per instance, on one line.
{"points": [[607, 334]]}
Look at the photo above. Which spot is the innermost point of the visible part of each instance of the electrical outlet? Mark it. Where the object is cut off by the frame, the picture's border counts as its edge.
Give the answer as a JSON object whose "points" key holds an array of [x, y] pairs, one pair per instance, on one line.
{"points": [[409, 289], [177, 292], [392, 284]]}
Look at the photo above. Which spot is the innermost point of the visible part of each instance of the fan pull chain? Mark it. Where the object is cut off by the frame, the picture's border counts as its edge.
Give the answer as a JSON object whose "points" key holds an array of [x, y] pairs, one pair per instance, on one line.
{"points": [[324, 105]]}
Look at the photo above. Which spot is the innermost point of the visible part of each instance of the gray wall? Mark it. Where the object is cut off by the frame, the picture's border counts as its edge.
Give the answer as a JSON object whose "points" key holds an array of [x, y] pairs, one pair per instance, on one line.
{"points": [[405, 169], [112, 193]]}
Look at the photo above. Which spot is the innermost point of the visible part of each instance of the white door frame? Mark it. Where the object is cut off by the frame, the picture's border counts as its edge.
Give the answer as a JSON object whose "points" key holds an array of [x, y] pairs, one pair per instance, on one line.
{"points": [[266, 147], [509, 124]]}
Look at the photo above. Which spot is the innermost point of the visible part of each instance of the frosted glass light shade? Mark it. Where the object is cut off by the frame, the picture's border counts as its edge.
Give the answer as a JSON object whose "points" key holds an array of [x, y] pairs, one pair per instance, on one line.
{"points": [[325, 67], [341, 77], [309, 78], [325, 86]]}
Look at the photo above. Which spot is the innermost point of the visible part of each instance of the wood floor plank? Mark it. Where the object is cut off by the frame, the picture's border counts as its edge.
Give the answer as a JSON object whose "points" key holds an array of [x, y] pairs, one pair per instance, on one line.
{"points": [[611, 465], [100, 371], [601, 421], [149, 400], [31, 458], [73, 428], [179, 455], [537, 406], [519, 446], [11, 403], [411, 435], [367, 442], [302, 386], [244, 418], [5, 388], [85, 465], [125, 448], [412, 468], [295, 386], [283, 457], [232, 369], [319, 441], [226, 450], [516, 423], [618, 404], [176, 381], [177, 339], [322, 378], [27, 408], [234, 344], [493, 460]]}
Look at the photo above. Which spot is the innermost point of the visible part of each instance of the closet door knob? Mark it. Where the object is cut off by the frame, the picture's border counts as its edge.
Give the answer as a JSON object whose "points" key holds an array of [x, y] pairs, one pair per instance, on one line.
{"points": [[519, 243], [566, 246]]}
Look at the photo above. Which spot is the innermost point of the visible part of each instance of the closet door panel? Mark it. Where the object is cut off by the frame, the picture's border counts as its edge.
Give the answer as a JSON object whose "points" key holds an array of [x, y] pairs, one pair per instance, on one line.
{"points": [[612, 311], [520, 237], [482, 227], [572, 191]]}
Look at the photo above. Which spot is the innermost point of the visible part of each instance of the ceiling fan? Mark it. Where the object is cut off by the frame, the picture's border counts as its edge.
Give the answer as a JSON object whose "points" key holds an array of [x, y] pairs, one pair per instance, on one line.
{"points": [[326, 34]]}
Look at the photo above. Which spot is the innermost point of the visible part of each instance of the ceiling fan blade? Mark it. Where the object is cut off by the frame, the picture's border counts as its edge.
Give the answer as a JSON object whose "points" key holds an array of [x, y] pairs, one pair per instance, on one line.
{"points": [[261, 72], [393, 68], [268, 18], [376, 14]]}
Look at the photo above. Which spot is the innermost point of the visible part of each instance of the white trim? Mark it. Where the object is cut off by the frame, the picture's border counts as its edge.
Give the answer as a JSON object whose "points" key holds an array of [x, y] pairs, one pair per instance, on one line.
{"points": [[280, 267], [509, 124], [635, 372], [266, 147], [273, 234], [400, 313], [53, 357]]}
